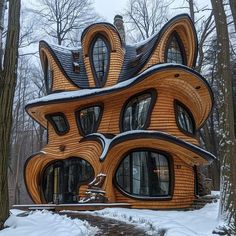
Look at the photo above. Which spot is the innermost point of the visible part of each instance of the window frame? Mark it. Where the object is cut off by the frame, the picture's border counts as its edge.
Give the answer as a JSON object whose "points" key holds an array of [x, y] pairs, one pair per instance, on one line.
{"points": [[154, 96], [52, 122], [177, 104], [78, 122], [170, 162], [47, 69], [91, 48], [174, 34], [42, 196]]}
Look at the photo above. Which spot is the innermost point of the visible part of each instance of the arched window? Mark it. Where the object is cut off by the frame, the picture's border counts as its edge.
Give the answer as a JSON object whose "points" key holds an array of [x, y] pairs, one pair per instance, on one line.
{"points": [[144, 173], [48, 74], [61, 179], [99, 56], [136, 112], [88, 119], [59, 123], [175, 52], [184, 118]]}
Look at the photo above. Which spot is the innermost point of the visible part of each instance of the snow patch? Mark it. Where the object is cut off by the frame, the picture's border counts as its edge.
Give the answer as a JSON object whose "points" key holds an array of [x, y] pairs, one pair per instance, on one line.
{"points": [[45, 223], [173, 223]]}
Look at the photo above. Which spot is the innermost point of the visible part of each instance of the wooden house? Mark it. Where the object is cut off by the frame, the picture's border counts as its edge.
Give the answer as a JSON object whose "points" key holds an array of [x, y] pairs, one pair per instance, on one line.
{"points": [[130, 113]]}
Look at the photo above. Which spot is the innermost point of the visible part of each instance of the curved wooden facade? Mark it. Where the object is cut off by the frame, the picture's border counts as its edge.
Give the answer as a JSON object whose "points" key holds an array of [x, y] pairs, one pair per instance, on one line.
{"points": [[179, 102]]}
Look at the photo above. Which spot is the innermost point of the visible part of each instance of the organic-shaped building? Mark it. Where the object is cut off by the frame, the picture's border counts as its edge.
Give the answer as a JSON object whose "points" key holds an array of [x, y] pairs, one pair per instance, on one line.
{"points": [[129, 113]]}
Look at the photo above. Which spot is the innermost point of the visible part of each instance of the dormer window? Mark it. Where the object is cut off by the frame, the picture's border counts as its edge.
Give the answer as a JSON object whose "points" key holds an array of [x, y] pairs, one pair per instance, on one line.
{"points": [[175, 52], [48, 76], [99, 57]]}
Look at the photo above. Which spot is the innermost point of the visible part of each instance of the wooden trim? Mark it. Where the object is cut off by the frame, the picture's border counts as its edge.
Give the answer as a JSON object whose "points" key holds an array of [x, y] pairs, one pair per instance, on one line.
{"points": [[171, 175], [175, 35], [77, 112], [91, 48], [49, 118], [178, 103], [153, 94], [24, 173]]}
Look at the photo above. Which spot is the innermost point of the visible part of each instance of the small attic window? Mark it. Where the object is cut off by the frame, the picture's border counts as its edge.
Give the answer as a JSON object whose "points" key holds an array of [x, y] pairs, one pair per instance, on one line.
{"points": [[48, 74], [175, 52], [99, 56]]}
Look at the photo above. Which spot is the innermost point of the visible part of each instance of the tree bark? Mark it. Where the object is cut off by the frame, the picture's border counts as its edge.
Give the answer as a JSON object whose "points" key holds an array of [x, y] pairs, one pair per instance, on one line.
{"points": [[233, 11], [7, 88], [227, 148]]}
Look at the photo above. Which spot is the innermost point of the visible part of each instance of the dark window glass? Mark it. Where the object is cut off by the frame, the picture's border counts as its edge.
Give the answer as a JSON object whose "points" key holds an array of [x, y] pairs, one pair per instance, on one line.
{"points": [[62, 179], [145, 174], [136, 112], [48, 76], [59, 123], [175, 52], [100, 58], [89, 119], [184, 119]]}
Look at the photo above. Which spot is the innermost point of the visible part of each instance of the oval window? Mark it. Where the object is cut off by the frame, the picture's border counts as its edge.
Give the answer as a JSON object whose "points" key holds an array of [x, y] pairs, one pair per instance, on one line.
{"points": [[175, 52], [59, 123], [88, 119], [144, 174], [137, 112], [62, 179], [184, 119], [100, 59]]}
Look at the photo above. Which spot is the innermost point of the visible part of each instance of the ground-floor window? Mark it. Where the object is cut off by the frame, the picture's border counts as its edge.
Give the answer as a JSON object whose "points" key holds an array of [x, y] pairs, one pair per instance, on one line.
{"points": [[144, 173], [62, 179]]}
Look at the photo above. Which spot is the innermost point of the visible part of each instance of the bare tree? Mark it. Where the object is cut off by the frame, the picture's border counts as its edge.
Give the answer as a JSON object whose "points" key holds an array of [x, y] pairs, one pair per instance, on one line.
{"points": [[8, 75], [145, 17], [63, 18]]}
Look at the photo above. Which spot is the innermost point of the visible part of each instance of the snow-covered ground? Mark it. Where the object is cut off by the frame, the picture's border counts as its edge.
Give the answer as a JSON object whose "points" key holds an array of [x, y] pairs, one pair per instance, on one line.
{"points": [[174, 223], [45, 223]]}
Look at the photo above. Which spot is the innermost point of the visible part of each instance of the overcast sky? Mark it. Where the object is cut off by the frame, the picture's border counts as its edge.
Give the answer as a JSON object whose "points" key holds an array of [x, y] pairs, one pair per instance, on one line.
{"points": [[109, 8]]}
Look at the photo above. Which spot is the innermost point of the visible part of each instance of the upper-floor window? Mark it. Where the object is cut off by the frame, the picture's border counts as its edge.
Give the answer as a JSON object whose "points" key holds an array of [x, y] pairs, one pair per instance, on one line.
{"points": [[144, 173], [184, 118], [100, 59], [59, 123], [175, 52], [88, 119], [48, 76], [136, 112]]}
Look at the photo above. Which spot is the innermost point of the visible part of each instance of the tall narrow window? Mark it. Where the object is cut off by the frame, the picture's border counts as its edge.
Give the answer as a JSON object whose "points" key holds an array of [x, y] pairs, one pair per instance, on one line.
{"points": [[184, 118], [88, 119], [59, 122], [48, 76], [100, 59], [175, 52], [144, 173], [137, 112]]}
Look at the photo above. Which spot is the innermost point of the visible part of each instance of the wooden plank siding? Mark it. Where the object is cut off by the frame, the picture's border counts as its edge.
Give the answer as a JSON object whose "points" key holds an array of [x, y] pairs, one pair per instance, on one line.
{"points": [[170, 85]]}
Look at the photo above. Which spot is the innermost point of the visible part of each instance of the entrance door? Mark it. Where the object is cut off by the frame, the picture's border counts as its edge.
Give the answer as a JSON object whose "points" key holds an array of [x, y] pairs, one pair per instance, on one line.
{"points": [[62, 179]]}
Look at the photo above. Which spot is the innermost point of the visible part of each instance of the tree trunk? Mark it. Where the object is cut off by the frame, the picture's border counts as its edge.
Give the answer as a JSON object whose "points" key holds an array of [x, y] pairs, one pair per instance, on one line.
{"points": [[233, 10], [227, 148], [2, 12], [7, 88]]}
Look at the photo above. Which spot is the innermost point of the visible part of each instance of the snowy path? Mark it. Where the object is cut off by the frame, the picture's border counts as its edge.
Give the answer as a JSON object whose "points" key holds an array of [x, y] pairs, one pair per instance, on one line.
{"points": [[107, 226]]}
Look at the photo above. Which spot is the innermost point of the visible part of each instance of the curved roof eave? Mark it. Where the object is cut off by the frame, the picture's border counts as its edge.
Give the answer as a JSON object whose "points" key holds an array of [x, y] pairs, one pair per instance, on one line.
{"points": [[85, 93], [108, 142]]}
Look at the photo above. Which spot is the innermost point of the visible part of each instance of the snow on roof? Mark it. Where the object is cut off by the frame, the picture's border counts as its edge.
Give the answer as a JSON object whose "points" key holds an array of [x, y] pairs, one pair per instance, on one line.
{"points": [[94, 91], [107, 142]]}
